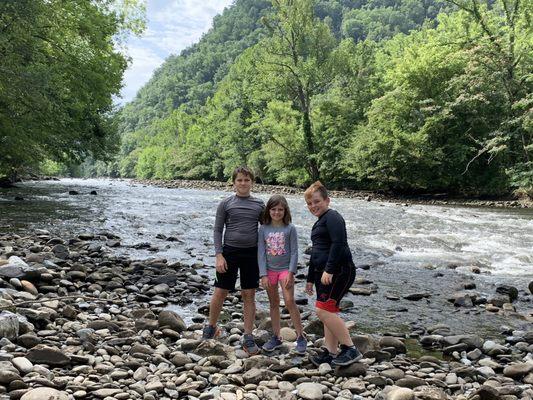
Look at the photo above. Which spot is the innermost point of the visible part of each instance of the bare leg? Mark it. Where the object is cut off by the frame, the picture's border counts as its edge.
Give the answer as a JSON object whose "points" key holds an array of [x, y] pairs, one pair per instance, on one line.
{"points": [[273, 299], [215, 307], [248, 298], [336, 327], [288, 296]]}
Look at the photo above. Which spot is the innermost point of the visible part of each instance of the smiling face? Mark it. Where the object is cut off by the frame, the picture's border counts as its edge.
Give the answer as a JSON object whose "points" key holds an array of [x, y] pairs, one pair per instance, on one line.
{"points": [[317, 204], [277, 213], [242, 185]]}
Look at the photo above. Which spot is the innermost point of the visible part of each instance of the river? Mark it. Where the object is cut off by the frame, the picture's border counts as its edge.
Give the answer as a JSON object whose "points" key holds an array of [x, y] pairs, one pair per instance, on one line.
{"points": [[400, 249]]}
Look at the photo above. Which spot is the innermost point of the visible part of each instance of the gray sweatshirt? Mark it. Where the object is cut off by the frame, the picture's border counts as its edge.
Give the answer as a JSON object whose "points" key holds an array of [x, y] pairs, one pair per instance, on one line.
{"points": [[240, 216], [277, 248]]}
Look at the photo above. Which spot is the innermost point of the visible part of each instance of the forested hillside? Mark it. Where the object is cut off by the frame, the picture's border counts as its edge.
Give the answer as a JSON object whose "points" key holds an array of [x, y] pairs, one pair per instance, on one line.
{"points": [[390, 94]]}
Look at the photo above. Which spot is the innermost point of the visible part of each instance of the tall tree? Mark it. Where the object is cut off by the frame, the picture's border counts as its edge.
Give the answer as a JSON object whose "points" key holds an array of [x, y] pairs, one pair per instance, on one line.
{"points": [[58, 72], [296, 60]]}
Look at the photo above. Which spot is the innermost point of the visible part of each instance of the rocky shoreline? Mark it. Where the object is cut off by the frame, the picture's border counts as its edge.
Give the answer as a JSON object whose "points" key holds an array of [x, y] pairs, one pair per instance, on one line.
{"points": [[77, 322], [352, 194]]}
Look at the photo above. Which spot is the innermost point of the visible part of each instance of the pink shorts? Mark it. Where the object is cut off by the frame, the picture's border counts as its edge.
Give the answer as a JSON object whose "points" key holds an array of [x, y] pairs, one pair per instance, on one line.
{"points": [[275, 276]]}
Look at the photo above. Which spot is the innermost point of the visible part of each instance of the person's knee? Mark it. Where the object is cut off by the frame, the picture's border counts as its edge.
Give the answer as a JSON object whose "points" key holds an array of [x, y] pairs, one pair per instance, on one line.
{"points": [[248, 296], [220, 294], [274, 303]]}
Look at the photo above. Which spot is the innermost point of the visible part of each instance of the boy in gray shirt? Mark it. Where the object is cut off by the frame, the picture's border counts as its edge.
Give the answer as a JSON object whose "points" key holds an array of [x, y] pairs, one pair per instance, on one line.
{"points": [[236, 254]]}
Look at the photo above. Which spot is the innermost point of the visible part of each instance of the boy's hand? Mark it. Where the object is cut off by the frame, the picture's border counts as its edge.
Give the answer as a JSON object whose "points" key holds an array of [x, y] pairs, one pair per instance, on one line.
{"points": [[326, 278], [220, 264], [309, 288], [265, 282], [288, 281]]}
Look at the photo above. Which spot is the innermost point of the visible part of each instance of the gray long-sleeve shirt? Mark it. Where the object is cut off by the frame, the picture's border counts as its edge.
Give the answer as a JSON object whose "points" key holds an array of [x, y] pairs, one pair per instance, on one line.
{"points": [[240, 216], [277, 248]]}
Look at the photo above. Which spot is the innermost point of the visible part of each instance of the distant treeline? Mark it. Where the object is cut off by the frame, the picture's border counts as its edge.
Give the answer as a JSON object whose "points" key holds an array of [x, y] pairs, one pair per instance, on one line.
{"points": [[404, 95]]}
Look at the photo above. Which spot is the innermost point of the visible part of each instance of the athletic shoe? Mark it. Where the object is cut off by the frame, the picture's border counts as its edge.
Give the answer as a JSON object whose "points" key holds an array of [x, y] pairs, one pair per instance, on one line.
{"points": [[301, 345], [273, 344], [210, 332], [323, 358], [248, 344], [347, 356]]}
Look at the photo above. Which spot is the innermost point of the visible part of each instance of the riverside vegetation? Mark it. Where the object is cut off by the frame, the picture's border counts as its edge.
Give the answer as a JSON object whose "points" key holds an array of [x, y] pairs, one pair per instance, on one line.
{"points": [[411, 96]]}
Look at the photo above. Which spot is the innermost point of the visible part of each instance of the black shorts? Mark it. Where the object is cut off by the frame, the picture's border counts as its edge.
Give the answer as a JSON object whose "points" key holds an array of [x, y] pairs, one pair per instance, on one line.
{"points": [[329, 296], [242, 262]]}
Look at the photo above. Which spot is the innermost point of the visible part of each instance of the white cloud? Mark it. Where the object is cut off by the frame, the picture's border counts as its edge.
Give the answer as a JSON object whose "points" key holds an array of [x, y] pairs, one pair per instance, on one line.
{"points": [[171, 27]]}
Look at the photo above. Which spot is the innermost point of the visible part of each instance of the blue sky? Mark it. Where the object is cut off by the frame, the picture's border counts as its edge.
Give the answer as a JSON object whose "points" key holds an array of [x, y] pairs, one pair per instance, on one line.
{"points": [[172, 25]]}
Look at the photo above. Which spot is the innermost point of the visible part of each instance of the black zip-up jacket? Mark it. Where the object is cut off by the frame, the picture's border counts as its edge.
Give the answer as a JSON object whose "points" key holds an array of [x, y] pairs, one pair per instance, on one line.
{"points": [[330, 250]]}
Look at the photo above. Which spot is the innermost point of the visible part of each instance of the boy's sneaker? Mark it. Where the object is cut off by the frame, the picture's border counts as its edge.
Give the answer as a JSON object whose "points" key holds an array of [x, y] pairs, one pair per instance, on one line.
{"points": [[347, 356], [248, 344], [210, 332], [273, 344], [301, 345], [324, 357]]}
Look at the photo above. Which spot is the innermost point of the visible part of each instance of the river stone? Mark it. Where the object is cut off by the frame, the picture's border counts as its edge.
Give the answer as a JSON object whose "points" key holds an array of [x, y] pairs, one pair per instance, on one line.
{"points": [[355, 369], [530, 286], [29, 287], [42, 354], [400, 393], [393, 373], [29, 340], [293, 374], [410, 382], [311, 391], [180, 359], [288, 334], [509, 290], [9, 325], [354, 385], [517, 371], [486, 392], [44, 393], [171, 320], [22, 364], [7, 376], [103, 393], [430, 393], [390, 341], [256, 375]]}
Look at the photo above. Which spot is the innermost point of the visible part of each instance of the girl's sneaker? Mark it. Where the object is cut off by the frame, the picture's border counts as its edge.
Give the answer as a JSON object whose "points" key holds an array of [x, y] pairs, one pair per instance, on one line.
{"points": [[273, 344], [323, 357], [248, 344], [210, 332], [347, 355], [301, 345]]}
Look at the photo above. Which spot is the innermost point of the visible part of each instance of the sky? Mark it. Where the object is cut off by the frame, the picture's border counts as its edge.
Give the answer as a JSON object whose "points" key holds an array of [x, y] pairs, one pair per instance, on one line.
{"points": [[171, 26]]}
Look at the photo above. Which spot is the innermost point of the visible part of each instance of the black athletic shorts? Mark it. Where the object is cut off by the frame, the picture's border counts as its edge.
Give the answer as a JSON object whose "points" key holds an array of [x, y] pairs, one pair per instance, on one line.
{"points": [[329, 296], [242, 262]]}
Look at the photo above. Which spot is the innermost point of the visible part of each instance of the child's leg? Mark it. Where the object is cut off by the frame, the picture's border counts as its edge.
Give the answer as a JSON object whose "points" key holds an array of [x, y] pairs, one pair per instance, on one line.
{"points": [[336, 326], [288, 296], [248, 298], [215, 307], [273, 298], [330, 341]]}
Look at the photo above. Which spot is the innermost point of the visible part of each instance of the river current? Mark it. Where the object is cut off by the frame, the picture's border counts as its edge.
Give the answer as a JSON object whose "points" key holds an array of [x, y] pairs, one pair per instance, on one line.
{"points": [[400, 249]]}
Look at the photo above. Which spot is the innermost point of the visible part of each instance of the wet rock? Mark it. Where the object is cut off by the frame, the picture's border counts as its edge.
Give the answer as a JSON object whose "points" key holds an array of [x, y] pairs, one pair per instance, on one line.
{"points": [[389, 341], [353, 370], [530, 287], [416, 296], [42, 354], [410, 381], [508, 290], [171, 320]]}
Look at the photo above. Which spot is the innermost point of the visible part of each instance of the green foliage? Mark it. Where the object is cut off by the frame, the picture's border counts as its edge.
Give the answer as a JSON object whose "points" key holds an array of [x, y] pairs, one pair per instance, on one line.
{"points": [[58, 72]]}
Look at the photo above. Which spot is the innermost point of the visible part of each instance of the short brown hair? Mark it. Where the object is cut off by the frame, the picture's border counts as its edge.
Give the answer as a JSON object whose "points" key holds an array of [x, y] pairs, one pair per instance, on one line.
{"points": [[316, 187], [273, 202], [242, 170]]}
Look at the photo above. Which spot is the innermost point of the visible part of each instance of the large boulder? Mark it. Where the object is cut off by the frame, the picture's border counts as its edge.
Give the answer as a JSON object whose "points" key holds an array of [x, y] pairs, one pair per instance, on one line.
{"points": [[42, 354], [44, 393], [171, 320]]}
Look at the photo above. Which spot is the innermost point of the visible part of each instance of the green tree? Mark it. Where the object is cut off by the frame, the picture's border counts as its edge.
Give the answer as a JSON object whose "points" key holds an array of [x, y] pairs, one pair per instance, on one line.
{"points": [[58, 72]]}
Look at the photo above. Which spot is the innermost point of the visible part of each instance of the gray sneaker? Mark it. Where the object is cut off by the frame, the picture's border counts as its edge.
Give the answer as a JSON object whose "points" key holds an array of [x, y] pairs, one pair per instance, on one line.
{"points": [[301, 345], [248, 344], [210, 332], [273, 344]]}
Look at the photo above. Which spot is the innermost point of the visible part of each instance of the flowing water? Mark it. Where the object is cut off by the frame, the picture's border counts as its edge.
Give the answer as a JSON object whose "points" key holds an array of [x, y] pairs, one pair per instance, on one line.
{"points": [[415, 248]]}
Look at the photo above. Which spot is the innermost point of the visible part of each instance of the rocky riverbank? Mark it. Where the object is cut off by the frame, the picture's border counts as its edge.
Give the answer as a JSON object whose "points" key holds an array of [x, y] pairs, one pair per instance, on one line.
{"points": [[437, 199], [80, 323]]}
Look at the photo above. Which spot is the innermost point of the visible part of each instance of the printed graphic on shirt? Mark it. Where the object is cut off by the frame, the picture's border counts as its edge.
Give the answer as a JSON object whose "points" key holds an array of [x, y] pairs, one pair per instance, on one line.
{"points": [[275, 244]]}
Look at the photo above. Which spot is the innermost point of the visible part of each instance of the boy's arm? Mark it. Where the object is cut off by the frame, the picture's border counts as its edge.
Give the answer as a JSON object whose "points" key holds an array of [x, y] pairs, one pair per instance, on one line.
{"points": [[311, 273], [293, 240], [218, 229], [261, 252], [337, 233]]}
